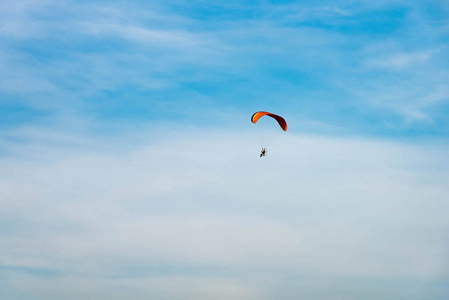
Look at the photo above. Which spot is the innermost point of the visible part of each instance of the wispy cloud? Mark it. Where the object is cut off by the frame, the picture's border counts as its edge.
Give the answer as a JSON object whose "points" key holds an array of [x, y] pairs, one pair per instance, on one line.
{"points": [[170, 52], [402, 60]]}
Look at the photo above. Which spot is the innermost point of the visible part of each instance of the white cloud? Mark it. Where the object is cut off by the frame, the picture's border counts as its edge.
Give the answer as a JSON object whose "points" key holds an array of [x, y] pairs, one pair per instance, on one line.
{"points": [[399, 61], [201, 214], [17, 19]]}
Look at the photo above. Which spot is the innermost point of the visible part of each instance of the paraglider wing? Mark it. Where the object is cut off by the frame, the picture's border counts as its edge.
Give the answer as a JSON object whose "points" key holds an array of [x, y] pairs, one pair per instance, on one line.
{"points": [[279, 119]]}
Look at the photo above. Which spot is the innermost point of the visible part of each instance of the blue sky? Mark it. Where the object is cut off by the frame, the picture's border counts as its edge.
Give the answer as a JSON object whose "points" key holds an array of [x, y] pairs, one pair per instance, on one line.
{"points": [[129, 166], [364, 68]]}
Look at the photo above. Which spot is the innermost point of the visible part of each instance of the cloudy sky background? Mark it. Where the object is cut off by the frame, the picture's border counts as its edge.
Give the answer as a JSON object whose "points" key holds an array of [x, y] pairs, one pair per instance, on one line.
{"points": [[129, 168]]}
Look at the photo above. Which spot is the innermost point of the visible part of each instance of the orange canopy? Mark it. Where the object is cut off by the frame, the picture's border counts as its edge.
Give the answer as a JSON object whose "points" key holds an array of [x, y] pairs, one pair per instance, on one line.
{"points": [[279, 119]]}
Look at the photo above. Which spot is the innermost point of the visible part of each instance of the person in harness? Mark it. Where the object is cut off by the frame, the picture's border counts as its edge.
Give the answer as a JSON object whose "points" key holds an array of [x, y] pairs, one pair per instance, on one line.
{"points": [[263, 152]]}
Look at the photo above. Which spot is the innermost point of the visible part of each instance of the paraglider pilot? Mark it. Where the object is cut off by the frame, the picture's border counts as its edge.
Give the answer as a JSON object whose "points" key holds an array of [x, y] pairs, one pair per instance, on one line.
{"points": [[263, 152]]}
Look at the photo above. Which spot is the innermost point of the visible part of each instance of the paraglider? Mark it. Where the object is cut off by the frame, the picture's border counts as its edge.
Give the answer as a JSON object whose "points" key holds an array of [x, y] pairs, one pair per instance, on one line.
{"points": [[257, 115], [281, 121]]}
